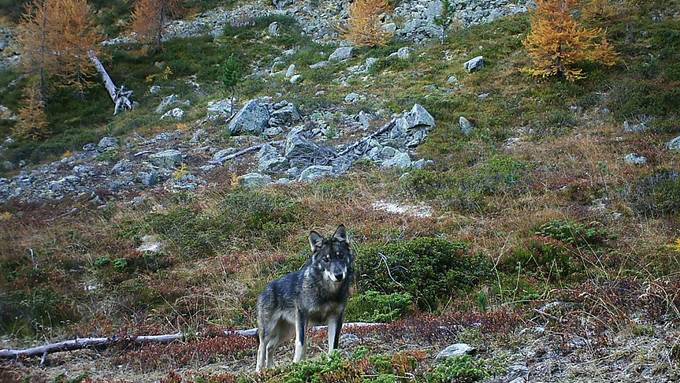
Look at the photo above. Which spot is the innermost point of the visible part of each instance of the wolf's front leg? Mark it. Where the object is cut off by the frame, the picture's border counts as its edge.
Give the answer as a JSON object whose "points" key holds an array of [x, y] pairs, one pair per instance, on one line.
{"points": [[300, 327], [334, 328]]}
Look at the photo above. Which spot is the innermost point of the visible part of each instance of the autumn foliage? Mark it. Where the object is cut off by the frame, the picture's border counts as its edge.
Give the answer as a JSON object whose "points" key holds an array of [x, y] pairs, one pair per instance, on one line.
{"points": [[32, 119], [55, 36], [364, 27], [149, 17], [558, 43]]}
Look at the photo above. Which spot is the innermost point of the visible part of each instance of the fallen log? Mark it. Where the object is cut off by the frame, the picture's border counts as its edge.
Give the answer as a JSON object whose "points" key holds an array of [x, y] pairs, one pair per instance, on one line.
{"points": [[122, 98], [250, 149], [101, 343], [370, 136]]}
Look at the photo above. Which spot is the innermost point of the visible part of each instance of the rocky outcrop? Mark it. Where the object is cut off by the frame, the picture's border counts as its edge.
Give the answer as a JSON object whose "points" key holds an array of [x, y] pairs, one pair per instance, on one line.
{"points": [[253, 118]]}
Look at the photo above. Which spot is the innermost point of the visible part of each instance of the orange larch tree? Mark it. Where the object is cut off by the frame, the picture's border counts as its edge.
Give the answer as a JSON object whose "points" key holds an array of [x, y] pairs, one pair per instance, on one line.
{"points": [[557, 43], [149, 17], [32, 119], [364, 27], [75, 35], [34, 34]]}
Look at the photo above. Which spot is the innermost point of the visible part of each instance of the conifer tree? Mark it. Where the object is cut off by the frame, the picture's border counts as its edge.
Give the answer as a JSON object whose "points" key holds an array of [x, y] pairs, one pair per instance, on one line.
{"points": [[149, 17], [75, 34], [557, 43], [364, 27], [34, 36], [32, 119]]}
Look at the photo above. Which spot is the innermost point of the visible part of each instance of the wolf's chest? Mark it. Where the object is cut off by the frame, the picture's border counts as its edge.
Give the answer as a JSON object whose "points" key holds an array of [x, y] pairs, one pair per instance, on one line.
{"points": [[321, 313]]}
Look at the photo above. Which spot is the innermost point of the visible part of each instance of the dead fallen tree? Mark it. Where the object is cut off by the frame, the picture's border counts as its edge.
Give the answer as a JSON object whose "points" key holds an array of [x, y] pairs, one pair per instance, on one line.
{"points": [[102, 343], [121, 97]]}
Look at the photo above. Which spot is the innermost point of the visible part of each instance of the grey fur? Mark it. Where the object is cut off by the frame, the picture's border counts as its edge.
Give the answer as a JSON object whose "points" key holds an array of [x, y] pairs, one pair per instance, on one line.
{"points": [[317, 294]]}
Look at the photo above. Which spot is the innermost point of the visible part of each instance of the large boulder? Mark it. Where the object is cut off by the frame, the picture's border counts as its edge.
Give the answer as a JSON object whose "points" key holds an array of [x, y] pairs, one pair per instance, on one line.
{"points": [[418, 116], [166, 159], [254, 180], [475, 64], [284, 114], [340, 54], [674, 144], [107, 143], [457, 349], [400, 160], [253, 118], [269, 160]]}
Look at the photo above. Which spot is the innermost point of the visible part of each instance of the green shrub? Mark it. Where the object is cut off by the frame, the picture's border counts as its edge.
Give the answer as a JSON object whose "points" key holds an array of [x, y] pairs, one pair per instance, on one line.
{"points": [[542, 259], [458, 369], [573, 233], [467, 188], [429, 269], [373, 306], [657, 194], [255, 217]]}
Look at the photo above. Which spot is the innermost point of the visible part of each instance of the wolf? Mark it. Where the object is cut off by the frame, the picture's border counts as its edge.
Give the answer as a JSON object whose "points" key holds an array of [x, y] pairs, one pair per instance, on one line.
{"points": [[316, 294]]}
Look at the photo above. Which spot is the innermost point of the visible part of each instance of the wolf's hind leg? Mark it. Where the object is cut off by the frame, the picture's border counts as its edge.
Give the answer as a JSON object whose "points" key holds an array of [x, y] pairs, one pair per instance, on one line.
{"points": [[261, 351]]}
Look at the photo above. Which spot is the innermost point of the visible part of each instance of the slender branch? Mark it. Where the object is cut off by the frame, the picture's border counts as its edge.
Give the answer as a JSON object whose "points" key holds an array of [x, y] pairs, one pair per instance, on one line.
{"points": [[100, 343]]}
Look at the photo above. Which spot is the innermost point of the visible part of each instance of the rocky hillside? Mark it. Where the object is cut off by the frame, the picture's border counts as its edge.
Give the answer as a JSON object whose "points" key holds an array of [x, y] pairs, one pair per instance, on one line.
{"points": [[506, 229]]}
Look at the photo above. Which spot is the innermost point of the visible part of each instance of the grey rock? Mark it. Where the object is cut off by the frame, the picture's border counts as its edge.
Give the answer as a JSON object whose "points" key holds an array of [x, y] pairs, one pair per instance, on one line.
{"points": [[315, 172], [638, 127], [166, 159], [176, 114], [219, 109], [197, 136], [389, 27], [465, 126], [421, 163], [89, 147], [419, 116], [253, 180], [121, 166], [340, 54], [286, 115], [290, 72], [251, 119], [352, 98], [273, 29], [452, 80], [269, 160], [7, 114], [456, 349], [148, 178], [150, 244], [404, 52], [475, 64], [154, 89], [319, 65], [635, 159], [107, 143], [400, 160], [674, 144], [295, 79]]}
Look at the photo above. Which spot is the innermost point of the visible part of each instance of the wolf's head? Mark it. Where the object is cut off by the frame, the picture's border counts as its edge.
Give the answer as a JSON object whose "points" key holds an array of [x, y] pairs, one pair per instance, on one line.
{"points": [[332, 256]]}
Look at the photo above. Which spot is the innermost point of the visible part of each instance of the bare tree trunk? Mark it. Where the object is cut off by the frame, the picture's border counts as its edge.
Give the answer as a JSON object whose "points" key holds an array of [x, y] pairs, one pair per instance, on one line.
{"points": [[120, 96]]}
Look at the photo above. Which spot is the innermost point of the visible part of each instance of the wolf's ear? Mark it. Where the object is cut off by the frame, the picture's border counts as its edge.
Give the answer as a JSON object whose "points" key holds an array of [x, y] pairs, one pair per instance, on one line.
{"points": [[315, 240], [340, 234]]}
